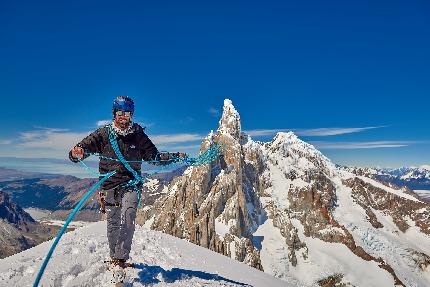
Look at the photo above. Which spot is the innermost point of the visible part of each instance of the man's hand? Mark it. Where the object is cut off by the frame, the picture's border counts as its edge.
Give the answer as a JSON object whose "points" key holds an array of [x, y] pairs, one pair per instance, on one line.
{"points": [[78, 152]]}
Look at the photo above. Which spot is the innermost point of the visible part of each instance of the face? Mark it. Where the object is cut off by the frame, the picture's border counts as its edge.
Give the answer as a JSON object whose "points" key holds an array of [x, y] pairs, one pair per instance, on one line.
{"points": [[122, 118]]}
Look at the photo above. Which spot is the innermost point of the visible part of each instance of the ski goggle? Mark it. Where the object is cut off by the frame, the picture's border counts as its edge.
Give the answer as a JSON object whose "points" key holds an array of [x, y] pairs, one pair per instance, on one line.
{"points": [[123, 113]]}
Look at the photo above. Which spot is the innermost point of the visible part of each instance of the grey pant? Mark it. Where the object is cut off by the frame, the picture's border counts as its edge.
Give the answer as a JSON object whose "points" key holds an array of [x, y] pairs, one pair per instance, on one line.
{"points": [[120, 221]]}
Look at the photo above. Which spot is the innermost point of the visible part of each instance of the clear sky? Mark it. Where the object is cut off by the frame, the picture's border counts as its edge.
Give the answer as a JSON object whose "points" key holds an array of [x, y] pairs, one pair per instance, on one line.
{"points": [[351, 77]]}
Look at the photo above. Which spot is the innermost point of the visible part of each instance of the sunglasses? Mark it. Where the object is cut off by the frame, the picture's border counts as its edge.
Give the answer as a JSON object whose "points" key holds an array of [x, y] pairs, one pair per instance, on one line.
{"points": [[123, 113]]}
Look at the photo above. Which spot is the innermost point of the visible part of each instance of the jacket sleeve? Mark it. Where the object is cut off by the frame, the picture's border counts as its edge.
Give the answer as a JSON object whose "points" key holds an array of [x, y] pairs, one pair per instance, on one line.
{"points": [[93, 143], [151, 153]]}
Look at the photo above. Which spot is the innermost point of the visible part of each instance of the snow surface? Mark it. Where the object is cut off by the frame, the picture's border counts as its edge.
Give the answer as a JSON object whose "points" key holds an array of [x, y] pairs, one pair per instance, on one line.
{"points": [[221, 228], [389, 243], [274, 253], [73, 224], [152, 184], [162, 260], [325, 259]]}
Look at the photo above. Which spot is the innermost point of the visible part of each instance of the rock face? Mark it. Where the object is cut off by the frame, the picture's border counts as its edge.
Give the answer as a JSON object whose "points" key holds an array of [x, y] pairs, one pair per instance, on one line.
{"points": [[12, 217], [18, 230], [215, 206], [402, 210], [284, 208], [12, 213]]}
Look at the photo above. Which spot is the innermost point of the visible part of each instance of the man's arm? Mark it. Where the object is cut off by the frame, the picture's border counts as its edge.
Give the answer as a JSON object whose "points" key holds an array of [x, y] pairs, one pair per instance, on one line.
{"points": [[93, 143], [168, 157], [150, 153]]}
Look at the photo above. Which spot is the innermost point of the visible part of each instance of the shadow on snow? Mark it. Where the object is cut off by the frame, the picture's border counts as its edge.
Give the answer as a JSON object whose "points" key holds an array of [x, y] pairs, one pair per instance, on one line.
{"points": [[151, 274]]}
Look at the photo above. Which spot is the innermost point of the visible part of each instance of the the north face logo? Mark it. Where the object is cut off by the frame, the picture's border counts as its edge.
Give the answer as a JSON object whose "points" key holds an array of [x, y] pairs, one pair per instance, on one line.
{"points": [[132, 146]]}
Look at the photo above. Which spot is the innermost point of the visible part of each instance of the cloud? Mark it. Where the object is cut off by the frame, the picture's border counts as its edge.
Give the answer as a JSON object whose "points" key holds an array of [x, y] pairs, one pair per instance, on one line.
{"points": [[50, 138], [102, 123], [186, 147], [214, 112], [5, 142], [321, 132], [258, 133], [39, 132], [44, 142], [49, 165], [191, 149], [318, 132], [176, 138], [363, 145]]}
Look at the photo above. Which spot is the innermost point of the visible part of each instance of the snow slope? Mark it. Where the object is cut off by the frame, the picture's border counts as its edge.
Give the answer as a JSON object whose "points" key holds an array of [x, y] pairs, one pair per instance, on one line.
{"points": [[290, 164], [162, 260]]}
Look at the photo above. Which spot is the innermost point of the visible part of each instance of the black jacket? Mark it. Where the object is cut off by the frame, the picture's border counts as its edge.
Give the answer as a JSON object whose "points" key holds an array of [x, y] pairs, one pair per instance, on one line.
{"points": [[134, 146]]}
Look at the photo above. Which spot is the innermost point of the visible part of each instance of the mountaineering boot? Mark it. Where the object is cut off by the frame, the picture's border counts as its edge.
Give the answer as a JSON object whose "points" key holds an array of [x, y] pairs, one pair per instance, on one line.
{"points": [[117, 267], [110, 264]]}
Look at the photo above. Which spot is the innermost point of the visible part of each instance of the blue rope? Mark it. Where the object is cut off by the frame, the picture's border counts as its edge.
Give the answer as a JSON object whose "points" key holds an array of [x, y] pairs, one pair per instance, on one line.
{"points": [[137, 178], [57, 239], [203, 159]]}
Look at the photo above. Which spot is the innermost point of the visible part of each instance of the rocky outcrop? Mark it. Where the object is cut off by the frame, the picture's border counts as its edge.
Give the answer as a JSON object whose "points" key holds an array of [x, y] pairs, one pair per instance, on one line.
{"points": [[210, 205], [11, 213], [12, 240], [18, 230]]}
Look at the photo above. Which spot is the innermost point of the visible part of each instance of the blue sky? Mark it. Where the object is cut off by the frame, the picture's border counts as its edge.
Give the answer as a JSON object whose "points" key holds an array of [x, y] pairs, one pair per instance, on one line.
{"points": [[351, 77]]}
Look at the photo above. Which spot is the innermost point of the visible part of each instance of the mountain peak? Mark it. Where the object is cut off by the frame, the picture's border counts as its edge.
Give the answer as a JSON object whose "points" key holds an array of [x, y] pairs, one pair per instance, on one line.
{"points": [[286, 136], [289, 139], [230, 120]]}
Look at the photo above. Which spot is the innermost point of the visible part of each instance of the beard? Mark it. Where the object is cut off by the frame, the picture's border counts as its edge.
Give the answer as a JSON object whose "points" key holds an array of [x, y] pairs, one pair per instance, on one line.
{"points": [[122, 123]]}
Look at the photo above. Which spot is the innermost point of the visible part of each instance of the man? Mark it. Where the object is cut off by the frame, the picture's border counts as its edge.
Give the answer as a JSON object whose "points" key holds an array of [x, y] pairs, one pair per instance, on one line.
{"points": [[121, 201]]}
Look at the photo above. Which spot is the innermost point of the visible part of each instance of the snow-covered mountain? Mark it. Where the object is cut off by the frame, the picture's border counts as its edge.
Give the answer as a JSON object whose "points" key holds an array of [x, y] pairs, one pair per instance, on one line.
{"points": [[285, 208], [161, 260], [416, 179], [402, 173], [408, 173]]}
